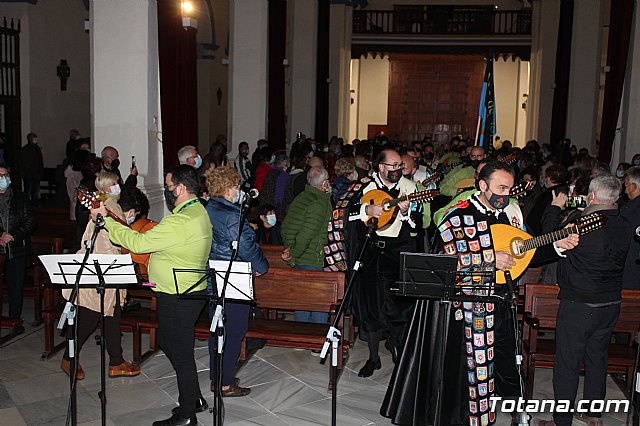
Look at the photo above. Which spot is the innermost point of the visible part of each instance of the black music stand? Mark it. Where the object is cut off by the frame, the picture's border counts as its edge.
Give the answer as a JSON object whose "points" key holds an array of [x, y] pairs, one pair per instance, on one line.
{"points": [[434, 276], [98, 271], [230, 280]]}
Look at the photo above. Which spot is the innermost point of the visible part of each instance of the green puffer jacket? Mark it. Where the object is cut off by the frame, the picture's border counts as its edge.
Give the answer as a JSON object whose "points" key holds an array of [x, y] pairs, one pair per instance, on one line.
{"points": [[304, 230]]}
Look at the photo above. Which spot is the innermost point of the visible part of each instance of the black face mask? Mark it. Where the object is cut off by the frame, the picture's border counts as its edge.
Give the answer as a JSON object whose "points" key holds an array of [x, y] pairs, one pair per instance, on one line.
{"points": [[496, 201], [394, 175], [408, 176], [115, 164], [168, 195], [475, 163]]}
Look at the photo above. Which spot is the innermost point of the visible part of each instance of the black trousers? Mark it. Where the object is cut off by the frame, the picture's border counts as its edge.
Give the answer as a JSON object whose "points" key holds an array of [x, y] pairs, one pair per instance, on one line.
{"points": [[176, 326], [87, 321], [236, 325], [14, 272], [583, 333]]}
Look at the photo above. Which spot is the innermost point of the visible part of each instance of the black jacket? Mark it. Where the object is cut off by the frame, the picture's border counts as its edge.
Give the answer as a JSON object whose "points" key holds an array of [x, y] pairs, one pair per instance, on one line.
{"points": [[534, 218], [592, 272], [631, 279], [21, 225]]}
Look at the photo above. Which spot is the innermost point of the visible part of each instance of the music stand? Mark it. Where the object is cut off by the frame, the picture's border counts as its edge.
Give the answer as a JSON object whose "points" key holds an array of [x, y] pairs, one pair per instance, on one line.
{"points": [[99, 271], [229, 280], [434, 276]]}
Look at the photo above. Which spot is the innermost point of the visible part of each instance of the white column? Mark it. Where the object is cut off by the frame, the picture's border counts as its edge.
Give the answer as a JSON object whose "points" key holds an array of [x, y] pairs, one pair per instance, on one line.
{"points": [[546, 18], [301, 74], [582, 113], [630, 111], [125, 102], [248, 37], [339, 70]]}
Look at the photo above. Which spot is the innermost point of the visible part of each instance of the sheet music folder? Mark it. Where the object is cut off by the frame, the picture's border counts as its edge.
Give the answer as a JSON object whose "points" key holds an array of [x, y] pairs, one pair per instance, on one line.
{"points": [[427, 275], [116, 269]]}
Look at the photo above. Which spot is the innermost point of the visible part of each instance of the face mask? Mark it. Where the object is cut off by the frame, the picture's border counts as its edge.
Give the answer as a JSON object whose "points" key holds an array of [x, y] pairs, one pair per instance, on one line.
{"points": [[354, 175], [168, 195], [325, 149], [636, 162], [338, 151], [271, 219], [115, 189], [394, 175], [496, 201], [313, 146], [115, 164], [34, 141], [273, 158], [5, 182], [619, 173], [198, 162], [236, 199], [475, 163], [408, 176], [131, 219]]}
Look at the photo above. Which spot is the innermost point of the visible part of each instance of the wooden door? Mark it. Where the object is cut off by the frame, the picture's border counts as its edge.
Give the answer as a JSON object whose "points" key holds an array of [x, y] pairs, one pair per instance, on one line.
{"points": [[435, 95]]}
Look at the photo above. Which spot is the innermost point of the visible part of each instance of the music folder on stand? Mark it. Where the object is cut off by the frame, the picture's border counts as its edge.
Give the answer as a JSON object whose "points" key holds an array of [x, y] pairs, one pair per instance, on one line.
{"points": [[99, 272]]}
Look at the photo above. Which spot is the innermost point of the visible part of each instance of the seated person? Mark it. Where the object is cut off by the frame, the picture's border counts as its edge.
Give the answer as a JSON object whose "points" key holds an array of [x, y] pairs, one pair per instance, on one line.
{"points": [[88, 299], [266, 225]]}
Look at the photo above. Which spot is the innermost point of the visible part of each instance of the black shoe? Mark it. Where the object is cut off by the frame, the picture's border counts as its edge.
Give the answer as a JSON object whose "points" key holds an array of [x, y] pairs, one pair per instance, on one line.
{"points": [[201, 405], [18, 329], [176, 420], [394, 351], [369, 368]]}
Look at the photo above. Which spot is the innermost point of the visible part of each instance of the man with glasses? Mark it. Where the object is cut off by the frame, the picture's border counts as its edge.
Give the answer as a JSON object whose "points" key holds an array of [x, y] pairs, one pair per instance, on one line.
{"points": [[381, 314], [181, 240]]}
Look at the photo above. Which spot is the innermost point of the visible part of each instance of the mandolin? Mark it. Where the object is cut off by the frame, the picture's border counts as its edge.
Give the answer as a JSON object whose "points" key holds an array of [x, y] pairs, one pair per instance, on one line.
{"points": [[522, 246], [91, 200], [521, 188], [507, 159], [390, 205], [433, 178]]}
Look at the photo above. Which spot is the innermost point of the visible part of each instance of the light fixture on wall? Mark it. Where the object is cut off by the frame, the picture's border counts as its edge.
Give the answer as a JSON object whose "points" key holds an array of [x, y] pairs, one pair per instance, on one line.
{"points": [[187, 10]]}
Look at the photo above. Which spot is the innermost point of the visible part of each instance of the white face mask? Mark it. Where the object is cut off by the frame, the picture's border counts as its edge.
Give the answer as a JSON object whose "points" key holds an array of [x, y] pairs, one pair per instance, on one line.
{"points": [[115, 189], [34, 140], [131, 219], [271, 219]]}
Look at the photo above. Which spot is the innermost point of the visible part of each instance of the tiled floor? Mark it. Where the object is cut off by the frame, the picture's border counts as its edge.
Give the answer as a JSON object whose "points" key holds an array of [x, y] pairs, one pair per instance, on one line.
{"points": [[289, 387]]}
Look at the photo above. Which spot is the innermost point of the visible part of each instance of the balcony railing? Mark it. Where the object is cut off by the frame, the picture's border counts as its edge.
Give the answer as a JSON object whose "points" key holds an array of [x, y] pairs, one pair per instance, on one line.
{"points": [[443, 20]]}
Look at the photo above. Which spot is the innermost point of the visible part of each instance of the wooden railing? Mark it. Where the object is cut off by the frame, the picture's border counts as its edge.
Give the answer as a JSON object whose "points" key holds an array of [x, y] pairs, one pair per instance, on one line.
{"points": [[441, 20]]}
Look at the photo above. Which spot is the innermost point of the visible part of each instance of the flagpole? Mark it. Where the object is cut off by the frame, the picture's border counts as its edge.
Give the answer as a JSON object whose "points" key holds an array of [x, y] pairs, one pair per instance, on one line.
{"points": [[478, 130]]}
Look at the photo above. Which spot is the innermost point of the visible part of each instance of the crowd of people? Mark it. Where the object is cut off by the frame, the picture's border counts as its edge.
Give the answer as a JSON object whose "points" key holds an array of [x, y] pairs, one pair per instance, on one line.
{"points": [[322, 203]]}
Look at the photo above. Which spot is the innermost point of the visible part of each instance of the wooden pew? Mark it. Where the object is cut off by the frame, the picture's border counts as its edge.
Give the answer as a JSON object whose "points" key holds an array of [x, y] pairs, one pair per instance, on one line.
{"points": [[281, 289], [36, 274], [541, 308], [53, 222], [273, 254]]}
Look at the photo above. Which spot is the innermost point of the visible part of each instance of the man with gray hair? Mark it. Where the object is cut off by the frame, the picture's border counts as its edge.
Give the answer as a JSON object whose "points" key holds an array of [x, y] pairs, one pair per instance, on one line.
{"points": [[188, 154], [304, 230], [631, 210], [590, 280]]}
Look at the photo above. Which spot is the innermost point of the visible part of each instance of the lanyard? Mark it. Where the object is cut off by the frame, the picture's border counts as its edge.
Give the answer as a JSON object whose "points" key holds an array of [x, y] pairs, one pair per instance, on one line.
{"points": [[195, 200]]}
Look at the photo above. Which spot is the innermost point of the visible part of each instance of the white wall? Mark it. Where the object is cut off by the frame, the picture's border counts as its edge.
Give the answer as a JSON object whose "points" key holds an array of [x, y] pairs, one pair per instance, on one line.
{"points": [[50, 31], [373, 93], [388, 5]]}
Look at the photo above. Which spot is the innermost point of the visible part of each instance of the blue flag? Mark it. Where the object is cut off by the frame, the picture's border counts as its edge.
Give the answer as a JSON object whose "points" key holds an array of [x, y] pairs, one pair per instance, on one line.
{"points": [[487, 112]]}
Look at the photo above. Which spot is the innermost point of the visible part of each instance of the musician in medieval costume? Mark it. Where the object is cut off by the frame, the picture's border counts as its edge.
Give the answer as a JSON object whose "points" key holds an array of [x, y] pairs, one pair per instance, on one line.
{"points": [[479, 357], [379, 313]]}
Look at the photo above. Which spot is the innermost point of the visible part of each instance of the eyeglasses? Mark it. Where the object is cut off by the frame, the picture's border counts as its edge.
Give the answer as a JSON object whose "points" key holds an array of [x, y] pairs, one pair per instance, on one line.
{"points": [[171, 187], [394, 165]]}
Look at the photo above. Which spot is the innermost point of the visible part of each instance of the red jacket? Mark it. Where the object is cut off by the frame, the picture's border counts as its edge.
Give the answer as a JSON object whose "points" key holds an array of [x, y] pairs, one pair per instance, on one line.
{"points": [[262, 171]]}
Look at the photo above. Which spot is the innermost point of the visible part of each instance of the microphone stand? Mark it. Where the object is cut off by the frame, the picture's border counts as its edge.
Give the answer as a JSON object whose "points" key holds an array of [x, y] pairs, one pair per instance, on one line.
{"points": [[68, 316], [217, 322], [334, 335], [523, 417]]}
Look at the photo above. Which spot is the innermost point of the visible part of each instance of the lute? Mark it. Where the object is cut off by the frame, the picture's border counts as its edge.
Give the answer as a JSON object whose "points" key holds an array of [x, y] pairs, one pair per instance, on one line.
{"points": [[521, 188], [433, 178], [91, 200], [390, 205], [522, 246]]}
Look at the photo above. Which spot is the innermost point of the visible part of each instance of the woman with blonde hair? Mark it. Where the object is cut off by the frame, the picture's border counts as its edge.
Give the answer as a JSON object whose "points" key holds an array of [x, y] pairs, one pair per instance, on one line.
{"points": [[88, 299]]}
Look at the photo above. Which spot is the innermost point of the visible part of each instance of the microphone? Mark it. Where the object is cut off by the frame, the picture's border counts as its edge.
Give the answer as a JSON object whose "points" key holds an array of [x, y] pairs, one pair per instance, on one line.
{"points": [[99, 220], [252, 193]]}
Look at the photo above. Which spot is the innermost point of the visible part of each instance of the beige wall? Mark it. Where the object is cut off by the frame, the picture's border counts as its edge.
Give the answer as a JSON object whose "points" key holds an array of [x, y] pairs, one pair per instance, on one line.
{"points": [[371, 93], [50, 31], [388, 4], [509, 83]]}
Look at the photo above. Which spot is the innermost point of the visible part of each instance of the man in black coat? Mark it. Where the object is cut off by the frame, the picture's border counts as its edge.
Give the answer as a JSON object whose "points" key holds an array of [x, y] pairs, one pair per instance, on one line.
{"points": [[554, 179], [17, 223], [590, 279]]}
